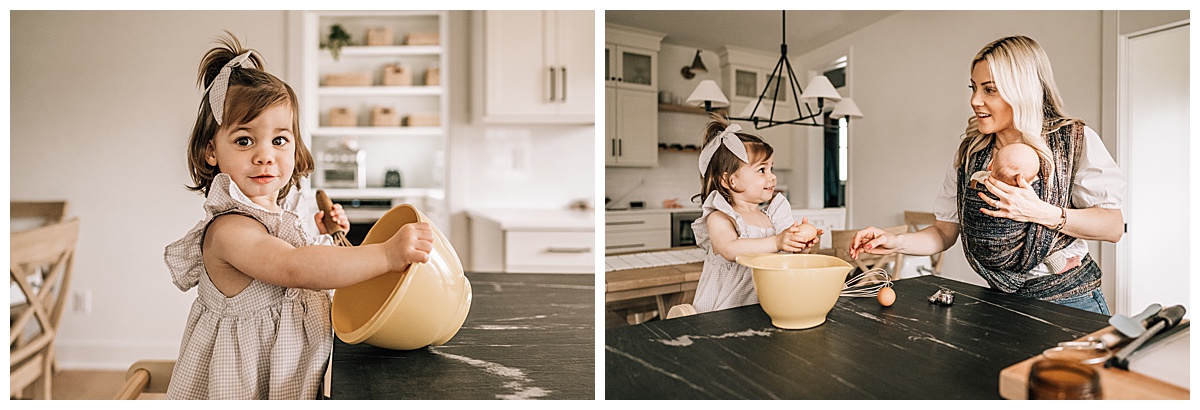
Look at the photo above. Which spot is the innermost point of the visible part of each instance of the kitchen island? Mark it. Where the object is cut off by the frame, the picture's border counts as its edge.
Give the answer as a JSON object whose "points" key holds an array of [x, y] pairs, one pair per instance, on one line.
{"points": [[527, 336], [910, 350]]}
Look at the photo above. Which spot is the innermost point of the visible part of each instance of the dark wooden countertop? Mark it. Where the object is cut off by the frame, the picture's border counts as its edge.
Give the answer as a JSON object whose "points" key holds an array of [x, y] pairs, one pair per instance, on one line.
{"points": [[527, 336], [910, 350]]}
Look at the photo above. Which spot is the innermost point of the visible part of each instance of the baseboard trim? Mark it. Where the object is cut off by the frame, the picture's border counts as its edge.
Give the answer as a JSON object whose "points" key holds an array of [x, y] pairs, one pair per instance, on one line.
{"points": [[110, 355]]}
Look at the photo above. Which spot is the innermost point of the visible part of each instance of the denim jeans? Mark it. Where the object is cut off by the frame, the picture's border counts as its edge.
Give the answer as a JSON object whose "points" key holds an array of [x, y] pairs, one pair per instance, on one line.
{"points": [[1092, 301]]}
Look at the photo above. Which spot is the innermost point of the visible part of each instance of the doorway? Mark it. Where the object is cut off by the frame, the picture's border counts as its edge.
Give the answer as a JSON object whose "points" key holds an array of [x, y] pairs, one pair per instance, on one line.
{"points": [[1154, 134]]}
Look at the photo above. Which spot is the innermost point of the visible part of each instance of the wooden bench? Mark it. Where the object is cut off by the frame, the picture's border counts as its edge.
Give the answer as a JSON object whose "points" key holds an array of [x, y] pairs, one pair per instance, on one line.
{"points": [[634, 291]]}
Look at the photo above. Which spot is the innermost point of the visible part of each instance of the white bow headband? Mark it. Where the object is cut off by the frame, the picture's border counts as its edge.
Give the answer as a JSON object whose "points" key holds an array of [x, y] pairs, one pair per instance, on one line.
{"points": [[728, 139], [220, 85]]}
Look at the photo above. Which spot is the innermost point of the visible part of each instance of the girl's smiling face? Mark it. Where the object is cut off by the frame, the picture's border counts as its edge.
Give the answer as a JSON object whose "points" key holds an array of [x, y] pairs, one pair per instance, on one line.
{"points": [[995, 115], [259, 155], [754, 182]]}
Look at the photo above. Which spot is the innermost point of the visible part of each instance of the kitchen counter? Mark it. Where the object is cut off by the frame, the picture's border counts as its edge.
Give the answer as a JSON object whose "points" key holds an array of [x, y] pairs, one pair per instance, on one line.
{"points": [[910, 350], [527, 336]]}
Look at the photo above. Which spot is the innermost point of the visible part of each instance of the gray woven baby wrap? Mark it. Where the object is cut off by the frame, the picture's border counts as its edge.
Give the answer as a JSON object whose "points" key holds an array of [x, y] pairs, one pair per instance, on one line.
{"points": [[1002, 250]]}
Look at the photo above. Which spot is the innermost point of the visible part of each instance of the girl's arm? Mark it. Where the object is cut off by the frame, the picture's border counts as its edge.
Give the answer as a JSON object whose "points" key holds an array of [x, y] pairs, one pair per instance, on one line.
{"points": [[725, 240], [933, 239], [243, 244]]}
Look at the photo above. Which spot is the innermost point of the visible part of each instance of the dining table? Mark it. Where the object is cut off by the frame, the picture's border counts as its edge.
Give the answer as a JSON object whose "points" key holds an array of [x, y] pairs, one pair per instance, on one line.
{"points": [[527, 336], [913, 349]]}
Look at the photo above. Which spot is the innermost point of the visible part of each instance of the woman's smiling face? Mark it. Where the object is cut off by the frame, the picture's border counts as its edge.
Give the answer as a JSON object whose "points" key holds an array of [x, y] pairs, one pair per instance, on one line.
{"points": [[994, 114]]}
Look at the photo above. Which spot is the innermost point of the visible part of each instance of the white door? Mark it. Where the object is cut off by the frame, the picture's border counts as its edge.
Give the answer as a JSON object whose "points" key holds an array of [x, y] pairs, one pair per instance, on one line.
{"points": [[1156, 133]]}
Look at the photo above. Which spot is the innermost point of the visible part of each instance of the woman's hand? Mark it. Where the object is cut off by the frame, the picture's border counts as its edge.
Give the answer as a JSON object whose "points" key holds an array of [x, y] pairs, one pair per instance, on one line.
{"points": [[339, 216], [1019, 203], [874, 241]]}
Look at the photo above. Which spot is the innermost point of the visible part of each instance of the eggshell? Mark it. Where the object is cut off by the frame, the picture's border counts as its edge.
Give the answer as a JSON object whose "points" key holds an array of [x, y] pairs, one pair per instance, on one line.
{"points": [[886, 296], [808, 231]]}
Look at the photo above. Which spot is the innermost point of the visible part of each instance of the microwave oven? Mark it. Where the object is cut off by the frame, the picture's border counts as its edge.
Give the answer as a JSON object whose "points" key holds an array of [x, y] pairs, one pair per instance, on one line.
{"points": [[341, 169], [681, 228]]}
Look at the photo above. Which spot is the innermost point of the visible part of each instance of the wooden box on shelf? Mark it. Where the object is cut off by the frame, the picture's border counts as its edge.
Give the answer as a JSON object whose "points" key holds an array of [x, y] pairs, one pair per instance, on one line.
{"points": [[397, 75], [379, 36], [351, 79], [422, 38], [433, 76], [342, 117], [422, 120], [385, 117]]}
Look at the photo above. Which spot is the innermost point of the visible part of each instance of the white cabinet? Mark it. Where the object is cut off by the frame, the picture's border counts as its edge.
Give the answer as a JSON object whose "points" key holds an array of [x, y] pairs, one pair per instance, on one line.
{"points": [[827, 219], [532, 241], [538, 66], [629, 231], [745, 74], [631, 96], [409, 135]]}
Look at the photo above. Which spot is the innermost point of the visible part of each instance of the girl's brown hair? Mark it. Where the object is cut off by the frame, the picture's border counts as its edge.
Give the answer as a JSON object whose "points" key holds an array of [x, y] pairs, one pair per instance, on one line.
{"points": [[724, 163], [251, 91]]}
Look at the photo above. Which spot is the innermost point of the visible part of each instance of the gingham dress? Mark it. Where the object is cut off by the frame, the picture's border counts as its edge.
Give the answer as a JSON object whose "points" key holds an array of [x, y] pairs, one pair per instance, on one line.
{"points": [[725, 284], [267, 342]]}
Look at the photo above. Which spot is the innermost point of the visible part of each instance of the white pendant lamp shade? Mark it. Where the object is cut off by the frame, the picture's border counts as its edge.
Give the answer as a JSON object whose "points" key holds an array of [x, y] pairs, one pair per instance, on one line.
{"points": [[708, 91], [846, 108], [820, 87]]}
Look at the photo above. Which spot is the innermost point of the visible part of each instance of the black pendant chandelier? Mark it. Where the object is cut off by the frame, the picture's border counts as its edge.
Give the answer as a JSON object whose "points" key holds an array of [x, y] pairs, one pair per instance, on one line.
{"points": [[762, 112]]}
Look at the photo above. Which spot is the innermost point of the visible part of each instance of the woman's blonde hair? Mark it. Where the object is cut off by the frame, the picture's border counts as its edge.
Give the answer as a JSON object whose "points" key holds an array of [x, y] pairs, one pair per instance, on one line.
{"points": [[251, 91], [724, 163], [1022, 74]]}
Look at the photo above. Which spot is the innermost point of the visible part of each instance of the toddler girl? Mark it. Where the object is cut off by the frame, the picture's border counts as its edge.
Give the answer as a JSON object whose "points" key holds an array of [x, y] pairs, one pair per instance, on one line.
{"points": [[260, 327], [735, 178]]}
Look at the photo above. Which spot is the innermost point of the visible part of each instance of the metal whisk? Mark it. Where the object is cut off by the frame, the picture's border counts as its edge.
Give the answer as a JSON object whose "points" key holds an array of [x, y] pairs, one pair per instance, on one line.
{"points": [[867, 284], [331, 226]]}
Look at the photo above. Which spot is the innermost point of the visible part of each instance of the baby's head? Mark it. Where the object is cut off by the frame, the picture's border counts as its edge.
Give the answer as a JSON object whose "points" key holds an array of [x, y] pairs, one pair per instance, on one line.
{"points": [[251, 92], [1013, 159], [724, 163]]}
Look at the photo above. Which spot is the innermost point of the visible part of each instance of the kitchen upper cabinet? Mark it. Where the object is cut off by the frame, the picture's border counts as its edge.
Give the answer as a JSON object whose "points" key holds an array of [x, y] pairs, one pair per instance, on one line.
{"points": [[538, 66], [631, 96], [631, 129]]}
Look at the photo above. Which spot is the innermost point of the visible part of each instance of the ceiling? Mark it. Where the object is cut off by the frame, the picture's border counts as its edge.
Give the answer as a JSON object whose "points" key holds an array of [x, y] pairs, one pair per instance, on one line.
{"points": [[807, 30]]}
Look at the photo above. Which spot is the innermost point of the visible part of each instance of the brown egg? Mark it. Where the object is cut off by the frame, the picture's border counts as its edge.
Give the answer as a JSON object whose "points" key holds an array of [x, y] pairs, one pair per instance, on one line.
{"points": [[808, 231], [886, 296]]}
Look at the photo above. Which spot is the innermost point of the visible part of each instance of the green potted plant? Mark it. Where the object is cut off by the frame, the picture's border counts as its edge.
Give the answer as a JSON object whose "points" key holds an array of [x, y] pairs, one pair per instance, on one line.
{"points": [[338, 38]]}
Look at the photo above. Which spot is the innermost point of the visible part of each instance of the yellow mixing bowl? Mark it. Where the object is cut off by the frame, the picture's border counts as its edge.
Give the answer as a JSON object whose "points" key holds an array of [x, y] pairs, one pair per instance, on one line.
{"points": [[796, 290], [423, 306]]}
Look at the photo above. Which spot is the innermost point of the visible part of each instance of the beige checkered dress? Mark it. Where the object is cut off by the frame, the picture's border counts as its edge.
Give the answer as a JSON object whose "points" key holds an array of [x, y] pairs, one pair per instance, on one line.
{"points": [[725, 284], [267, 342]]}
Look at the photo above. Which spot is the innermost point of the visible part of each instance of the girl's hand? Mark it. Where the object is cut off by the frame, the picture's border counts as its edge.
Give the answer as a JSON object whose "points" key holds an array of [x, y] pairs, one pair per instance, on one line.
{"points": [[411, 244], [1019, 203], [339, 216], [874, 241], [789, 240]]}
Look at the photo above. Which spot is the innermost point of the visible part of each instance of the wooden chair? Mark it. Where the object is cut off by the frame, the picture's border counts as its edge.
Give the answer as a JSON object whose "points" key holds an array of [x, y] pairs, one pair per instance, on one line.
{"points": [[24, 215], [46, 255], [917, 221], [865, 262], [146, 376]]}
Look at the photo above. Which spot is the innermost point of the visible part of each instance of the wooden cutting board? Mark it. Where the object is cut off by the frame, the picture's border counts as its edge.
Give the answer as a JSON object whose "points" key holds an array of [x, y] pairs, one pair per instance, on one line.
{"points": [[1116, 384]]}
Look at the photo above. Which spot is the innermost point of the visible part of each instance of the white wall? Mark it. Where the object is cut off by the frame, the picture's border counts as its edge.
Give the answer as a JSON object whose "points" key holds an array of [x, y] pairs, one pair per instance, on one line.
{"points": [[101, 107]]}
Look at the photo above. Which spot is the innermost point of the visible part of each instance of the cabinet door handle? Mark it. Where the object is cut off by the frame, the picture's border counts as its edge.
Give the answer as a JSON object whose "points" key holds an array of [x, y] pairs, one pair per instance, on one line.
{"points": [[620, 148], [569, 250], [635, 245], [564, 93], [553, 88], [624, 223], [614, 147]]}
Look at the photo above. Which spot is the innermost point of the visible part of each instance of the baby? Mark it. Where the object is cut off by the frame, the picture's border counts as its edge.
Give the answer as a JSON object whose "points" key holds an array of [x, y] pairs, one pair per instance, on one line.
{"points": [[1020, 159]]}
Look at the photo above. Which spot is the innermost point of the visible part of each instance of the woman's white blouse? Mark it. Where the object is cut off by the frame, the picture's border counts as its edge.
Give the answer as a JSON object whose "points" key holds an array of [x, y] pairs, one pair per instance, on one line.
{"points": [[1098, 182]]}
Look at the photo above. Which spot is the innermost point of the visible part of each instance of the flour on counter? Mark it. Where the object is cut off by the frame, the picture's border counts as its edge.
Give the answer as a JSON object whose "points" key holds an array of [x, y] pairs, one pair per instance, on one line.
{"points": [[686, 340]]}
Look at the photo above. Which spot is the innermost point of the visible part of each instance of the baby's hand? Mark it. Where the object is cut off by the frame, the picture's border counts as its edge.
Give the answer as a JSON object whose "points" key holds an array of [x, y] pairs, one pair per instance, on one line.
{"points": [[338, 215], [411, 244]]}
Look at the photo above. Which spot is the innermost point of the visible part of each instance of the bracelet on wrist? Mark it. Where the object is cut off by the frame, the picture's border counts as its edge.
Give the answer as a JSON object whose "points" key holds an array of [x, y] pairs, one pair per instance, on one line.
{"points": [[1063, 221]]}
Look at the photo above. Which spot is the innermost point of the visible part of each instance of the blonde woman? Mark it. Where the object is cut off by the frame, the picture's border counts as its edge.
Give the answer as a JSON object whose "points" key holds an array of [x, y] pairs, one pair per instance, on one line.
{"points": [[1009, 230]]}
